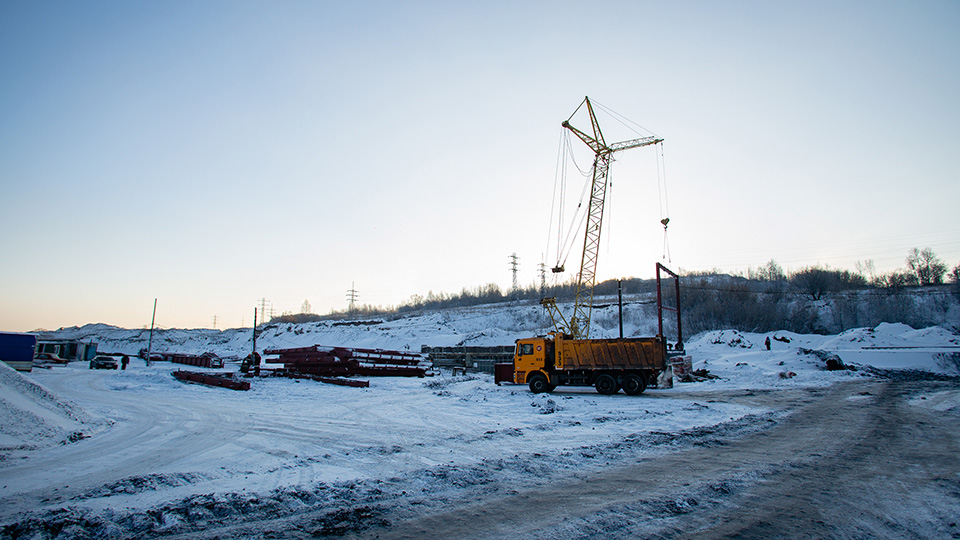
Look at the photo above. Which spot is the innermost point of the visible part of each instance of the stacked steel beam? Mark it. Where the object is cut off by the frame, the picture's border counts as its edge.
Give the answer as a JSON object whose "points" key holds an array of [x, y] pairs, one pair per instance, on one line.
{"points": [[345, 361], [207, 360], [223, 380]]}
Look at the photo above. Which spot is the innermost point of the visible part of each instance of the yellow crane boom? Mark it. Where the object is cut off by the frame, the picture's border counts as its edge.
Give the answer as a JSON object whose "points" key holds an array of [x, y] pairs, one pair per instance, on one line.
{"points": [[579, 324]]}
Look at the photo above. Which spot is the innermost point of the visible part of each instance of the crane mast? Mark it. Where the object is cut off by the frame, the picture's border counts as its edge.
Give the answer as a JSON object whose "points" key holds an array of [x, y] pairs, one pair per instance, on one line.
{"points": [[578, 325]]}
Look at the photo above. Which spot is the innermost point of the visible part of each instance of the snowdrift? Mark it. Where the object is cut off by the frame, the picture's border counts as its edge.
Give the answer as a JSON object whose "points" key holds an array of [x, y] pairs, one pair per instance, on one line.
{"points": [[33, 417]]}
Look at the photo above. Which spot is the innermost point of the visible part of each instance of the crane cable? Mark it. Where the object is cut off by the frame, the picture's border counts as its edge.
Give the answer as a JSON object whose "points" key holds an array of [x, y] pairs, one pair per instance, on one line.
{"points": [[558, 185], [662, 195], [565, 243], [661, 172]]}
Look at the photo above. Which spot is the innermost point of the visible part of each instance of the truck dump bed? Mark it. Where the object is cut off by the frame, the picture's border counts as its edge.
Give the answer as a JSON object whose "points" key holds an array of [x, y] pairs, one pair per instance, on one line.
{"points": [[631, 353]]}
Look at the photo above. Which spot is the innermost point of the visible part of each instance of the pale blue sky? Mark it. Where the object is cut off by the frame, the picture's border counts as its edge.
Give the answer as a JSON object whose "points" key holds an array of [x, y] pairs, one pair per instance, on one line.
{"points": [[210, 154]]}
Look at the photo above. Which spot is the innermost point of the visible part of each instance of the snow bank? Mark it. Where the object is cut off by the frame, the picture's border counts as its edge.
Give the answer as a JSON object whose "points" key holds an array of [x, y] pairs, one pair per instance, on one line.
{"points": [[32, 417], [741, 359]]}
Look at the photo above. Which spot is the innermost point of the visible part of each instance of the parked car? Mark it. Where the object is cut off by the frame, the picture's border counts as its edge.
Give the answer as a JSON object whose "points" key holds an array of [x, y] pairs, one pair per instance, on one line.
{"points": [[103, 362], [49, 358]]}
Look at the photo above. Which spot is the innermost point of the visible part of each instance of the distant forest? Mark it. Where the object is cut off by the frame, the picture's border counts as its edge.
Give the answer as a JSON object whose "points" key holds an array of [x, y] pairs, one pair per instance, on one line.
{"points": [[815, 299]]}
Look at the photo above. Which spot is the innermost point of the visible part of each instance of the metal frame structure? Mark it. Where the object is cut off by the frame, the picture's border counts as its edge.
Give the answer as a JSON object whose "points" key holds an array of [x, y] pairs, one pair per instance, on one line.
{"points": [[661, 307]]}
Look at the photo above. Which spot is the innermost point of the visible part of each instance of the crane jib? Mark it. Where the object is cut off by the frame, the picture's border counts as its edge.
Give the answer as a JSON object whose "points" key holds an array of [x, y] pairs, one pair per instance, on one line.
{"points": [[578, 325]]}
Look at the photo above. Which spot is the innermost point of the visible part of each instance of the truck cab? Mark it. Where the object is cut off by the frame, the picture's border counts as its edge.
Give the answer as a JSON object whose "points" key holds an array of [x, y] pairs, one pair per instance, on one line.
{"points": [[532, 356]]}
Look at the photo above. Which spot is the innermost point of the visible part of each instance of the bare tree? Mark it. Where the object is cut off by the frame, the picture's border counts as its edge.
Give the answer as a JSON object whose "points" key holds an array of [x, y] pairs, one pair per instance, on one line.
{"points": [[926, 266], [815, 281], [955, 278], [895, 281], [867, 269], [305, 308]]}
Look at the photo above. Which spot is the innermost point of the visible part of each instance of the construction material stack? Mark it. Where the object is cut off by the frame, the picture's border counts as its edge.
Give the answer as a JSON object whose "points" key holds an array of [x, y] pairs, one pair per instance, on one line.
{"points": [[344, 361], [222, 380], [207, 360]]}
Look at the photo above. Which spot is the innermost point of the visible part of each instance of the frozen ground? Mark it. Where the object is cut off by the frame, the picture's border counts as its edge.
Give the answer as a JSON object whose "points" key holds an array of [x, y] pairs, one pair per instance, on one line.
{"points": [[94, 454]]}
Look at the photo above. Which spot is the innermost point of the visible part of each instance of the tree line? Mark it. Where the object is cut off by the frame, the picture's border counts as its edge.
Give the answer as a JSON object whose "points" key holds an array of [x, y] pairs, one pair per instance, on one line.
{"points": [[762, 299]]}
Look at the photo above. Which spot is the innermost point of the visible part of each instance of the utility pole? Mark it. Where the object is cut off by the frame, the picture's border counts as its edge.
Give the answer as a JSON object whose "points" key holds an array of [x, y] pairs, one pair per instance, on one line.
{"points": [[352, 297], [214, 322], [152, 321], [513, 267]]}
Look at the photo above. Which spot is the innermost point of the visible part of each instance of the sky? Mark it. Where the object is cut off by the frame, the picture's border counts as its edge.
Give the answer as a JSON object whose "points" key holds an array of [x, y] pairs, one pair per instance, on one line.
{"points": [[220, 154]]}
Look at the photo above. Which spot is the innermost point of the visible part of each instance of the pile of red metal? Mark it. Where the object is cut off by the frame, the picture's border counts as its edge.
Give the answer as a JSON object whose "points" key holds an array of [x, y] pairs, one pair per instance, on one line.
{"points": [[223, 380], [344, 361], [207, 360]]}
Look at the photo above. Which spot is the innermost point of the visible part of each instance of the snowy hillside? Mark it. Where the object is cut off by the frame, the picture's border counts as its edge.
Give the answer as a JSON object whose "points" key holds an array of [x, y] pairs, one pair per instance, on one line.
{"points": [[478, 326]]}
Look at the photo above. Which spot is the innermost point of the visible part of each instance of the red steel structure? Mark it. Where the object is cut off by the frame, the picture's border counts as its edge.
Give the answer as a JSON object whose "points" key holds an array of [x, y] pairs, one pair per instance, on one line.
{"points": [[223, 380], [207, 360], [345, 361], [676, 305]]}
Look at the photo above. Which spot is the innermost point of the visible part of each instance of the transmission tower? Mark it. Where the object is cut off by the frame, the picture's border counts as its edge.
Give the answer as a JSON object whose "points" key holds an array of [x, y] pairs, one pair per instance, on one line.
{"points": [[266, 311], [352, 296], [214, 322], [263, 310], [543, 280], [513, 267]]}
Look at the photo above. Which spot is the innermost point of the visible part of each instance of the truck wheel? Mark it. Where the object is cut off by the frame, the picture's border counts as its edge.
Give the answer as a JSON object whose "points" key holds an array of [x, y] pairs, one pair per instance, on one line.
{"points": [[538, 384], [606, 384], [633, 384]]}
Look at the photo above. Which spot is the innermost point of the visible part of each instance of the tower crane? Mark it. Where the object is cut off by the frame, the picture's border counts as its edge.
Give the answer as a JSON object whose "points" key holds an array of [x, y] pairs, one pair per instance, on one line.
{"points": [[578, 326]]}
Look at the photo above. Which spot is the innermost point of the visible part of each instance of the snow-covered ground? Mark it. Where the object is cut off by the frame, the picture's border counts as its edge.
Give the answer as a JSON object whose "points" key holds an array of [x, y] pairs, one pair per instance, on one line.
{"points": [[107, 445]]}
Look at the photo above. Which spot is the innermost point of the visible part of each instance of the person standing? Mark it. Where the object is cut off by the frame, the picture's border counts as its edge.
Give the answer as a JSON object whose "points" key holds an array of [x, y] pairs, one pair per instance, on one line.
{"points": [[124, 361], [767, 343]]}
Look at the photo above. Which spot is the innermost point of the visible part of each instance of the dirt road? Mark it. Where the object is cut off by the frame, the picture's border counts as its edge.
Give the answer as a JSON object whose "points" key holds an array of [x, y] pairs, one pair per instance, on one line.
{"points": [[856, 460]]}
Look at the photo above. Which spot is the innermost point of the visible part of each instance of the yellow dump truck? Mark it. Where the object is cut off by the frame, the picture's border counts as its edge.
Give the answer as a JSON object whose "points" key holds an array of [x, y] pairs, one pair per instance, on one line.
{"points": [[608, 365]]}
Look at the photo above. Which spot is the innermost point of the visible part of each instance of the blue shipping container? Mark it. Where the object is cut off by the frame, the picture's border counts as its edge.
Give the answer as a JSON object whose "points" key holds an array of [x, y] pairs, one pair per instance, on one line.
{"points": [[17, 350]]}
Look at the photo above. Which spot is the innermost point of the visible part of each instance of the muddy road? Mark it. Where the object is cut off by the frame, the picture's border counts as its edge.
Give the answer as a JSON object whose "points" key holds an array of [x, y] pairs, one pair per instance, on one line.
{"points": [[868, 459]]}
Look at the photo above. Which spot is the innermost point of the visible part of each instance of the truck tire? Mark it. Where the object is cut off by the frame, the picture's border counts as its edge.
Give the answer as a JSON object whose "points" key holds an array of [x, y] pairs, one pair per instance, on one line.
{"points": [[538, 384], [634, 384], [606, 384]]}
